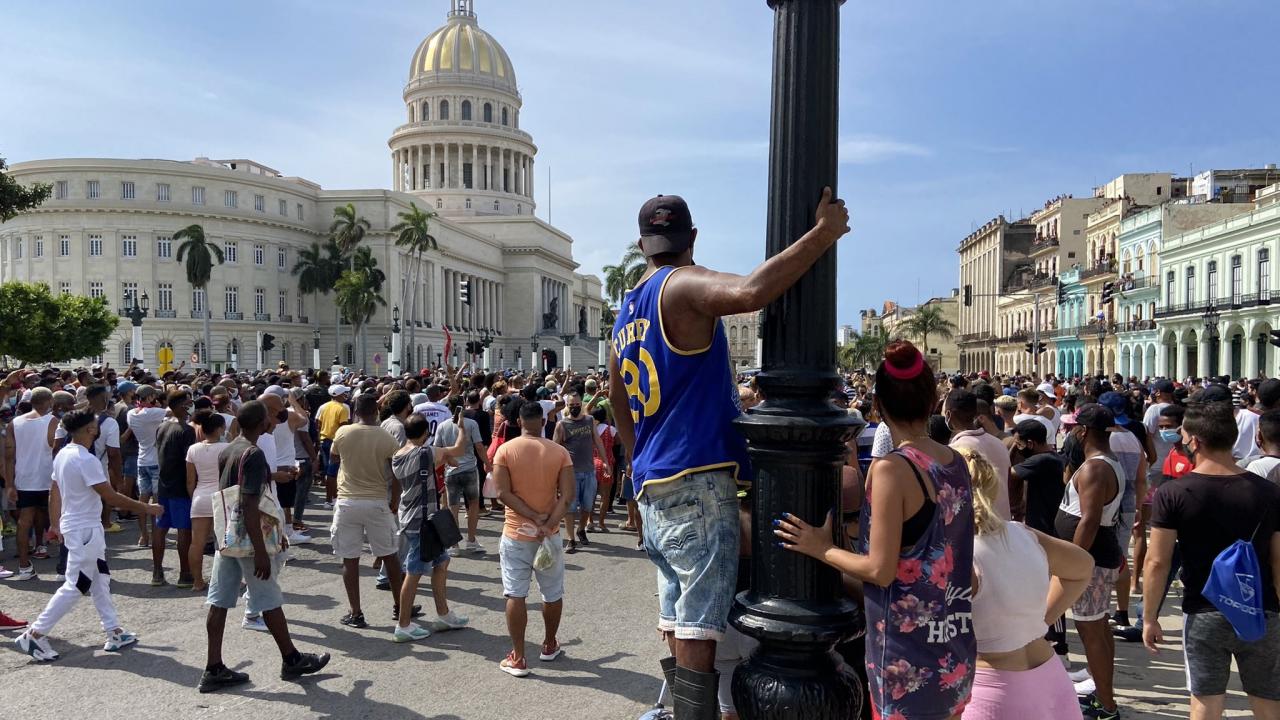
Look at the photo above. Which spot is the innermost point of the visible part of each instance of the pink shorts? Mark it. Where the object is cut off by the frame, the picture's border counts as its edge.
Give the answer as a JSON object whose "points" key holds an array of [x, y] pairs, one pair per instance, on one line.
{"points": [[1041, 693]]}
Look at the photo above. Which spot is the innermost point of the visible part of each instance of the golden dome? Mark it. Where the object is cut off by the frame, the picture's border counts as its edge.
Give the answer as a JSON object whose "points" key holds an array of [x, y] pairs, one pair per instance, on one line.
{"points": [[462, 48]]}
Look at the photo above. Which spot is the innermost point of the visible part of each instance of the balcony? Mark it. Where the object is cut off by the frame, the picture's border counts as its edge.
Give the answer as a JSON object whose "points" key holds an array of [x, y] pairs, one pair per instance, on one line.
{"points": [[1251, 300], [232, 316], [286, 318], [262, 317], [1130, 283], [1066, 333], [1136, 326], [974, 337], [303, 320], [1104, 267], [199, 314], [166, 314]]}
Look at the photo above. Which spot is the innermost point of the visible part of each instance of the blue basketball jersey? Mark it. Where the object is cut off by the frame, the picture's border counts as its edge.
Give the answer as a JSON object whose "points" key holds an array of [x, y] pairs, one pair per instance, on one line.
{"points": [[683, 402]]}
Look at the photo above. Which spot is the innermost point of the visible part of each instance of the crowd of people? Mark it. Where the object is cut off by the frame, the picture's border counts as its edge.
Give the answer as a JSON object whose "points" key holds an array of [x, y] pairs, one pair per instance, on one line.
{"points": [[975, 511]]}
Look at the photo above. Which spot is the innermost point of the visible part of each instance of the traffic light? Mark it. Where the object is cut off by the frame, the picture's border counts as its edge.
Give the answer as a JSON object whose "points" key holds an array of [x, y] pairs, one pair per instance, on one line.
{"points": [[1029, 348], [968, 296], [464, 291], [1041, 348], [1062, 291], [268, 342], [1275, 338], [1108, 288]]}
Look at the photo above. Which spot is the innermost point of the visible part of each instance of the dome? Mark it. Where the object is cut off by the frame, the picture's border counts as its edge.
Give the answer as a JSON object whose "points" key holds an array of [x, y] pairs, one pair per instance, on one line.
{"points": [[462, 52]]}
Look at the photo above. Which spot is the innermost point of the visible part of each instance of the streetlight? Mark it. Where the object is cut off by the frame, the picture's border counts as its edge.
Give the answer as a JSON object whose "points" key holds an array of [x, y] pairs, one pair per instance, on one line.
{"points": [[486, 339], [1210, 318], [519, 361], [136, 312], [315, 349], [795, 606], [533, 352], [567, 349], [602, 357], [396, 349]]}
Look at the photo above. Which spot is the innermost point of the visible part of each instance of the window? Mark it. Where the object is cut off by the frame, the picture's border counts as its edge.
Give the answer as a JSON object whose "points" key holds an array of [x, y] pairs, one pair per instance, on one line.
{"points": [[230, 198], [488, 113], [39, 246], [17, 249], [1237, 280], [197, 302], [197, 195], [1169, 282], [231, 299], [495, 206], [129, 290], [126, 352], [504, 116], [1213, 281], [284, 208], [128, 191], [95, 245], [1264, 274], [164, 297], [230, 251], [162, 192], [468, 203], [466, 175], [444, 109], [259, 301], [1191, 285], [299, 211], [95, 289], [282, 302], [164, 247], [94, 191], [259, 255], [349, 351], [64, 245], [466, 109], [260, 203], [439, 203], [60, 190], [198, 349], [282, 258], [129, 245], [426, 111], [302, 311], [519, 208], [64, 288]]}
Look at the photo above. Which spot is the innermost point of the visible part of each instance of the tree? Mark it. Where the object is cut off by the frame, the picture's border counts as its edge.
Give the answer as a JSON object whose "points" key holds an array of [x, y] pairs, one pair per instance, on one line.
{"points": [[620, 278], [926, 321], [52, 328], [318, 269], [347, 228], [866, 349], [412, 233], [201, 256], [359, 294], [15, 198]]}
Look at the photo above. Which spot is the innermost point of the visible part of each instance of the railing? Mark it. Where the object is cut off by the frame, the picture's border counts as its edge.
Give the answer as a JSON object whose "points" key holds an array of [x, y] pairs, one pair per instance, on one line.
{"points": [[1094, 330], [1066, 333], [1251, 300], [302, 320], [199, 314], [286, 318], [1140, 283], [1194, 307], [1043, 281], [262, 317], [1101, 268], [1027, 282], [1136, 326], [1043, 241], [167, 314], [974, 337], [232, 316]]}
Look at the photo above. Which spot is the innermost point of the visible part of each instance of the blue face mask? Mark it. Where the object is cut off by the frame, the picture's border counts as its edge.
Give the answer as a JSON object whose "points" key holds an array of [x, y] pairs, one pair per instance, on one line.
{"points": [[1170, 435]]}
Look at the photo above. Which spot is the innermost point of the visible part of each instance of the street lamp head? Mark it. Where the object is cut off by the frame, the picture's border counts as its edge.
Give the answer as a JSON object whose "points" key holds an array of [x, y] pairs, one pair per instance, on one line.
{"points": [[146, 301], [395, 313]]}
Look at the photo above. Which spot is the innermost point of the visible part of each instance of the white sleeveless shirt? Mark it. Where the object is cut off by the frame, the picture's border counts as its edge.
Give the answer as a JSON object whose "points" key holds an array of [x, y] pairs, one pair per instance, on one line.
{"points": [[1009, 606]]}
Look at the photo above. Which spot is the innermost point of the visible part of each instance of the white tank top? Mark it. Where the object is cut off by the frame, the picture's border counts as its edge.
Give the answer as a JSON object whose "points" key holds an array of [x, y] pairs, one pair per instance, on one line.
{"points": [[1071, 500], [33, 458], [1009, 607]]}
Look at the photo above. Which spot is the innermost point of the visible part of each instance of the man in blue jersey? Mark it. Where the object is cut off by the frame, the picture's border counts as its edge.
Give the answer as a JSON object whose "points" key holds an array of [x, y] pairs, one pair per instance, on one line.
{"points": [[670, 365]]}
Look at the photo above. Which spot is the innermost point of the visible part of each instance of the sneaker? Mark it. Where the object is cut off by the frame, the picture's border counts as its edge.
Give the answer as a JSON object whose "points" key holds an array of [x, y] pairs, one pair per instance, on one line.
{"points": [[307, 664], [1080, 676], [254, 623], [383, 584], [298, 537], [395, 612], [41, 553], [1097, 712], [454, 551], [513, 667], [409, 634], [60, 577], [112, 528], [157, 580], [38, 648], [26, 573], [1086, 687], [9, 530], [451, 621], [1120, 619], [547, 654], [355, 621], [223, 677], [185, 583], [1127, 633], [5, 573], [119, 639], [473, 546], [582, 538], [573, 547], [11, 623], [328, 505]]}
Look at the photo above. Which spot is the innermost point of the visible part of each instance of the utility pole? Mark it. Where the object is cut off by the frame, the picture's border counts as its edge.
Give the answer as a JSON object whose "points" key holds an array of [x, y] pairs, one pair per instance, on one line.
{"points": [[1035, 339]]}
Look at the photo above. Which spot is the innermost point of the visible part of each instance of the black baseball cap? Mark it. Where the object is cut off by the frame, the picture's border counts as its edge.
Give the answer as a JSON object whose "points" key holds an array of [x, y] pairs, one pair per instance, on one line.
{"points": [[665, 225]]}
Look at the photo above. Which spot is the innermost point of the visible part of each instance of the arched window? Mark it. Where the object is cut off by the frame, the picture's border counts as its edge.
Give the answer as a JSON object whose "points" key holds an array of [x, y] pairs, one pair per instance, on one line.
{"points": [[444, 109], [488, 113], [198, 349], [284, 351], [426, 110], [439, 203], [504, 116], [733, 335], [233, 351], [349, 352], [468, 203], [519, 209], [466, 109], [495, 206], [126, 352], [411, 114]]}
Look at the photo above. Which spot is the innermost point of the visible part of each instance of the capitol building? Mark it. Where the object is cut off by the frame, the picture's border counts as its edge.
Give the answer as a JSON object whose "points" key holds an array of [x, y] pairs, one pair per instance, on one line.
{"points": [[107, 231]]}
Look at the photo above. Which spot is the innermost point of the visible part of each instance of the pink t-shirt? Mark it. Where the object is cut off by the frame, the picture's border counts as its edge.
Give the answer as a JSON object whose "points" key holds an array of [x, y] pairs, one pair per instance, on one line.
{"points": [[994, 451]]}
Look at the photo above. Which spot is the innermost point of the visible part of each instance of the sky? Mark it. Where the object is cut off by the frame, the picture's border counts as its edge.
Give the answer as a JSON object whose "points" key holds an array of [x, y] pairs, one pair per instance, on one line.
{"points": [[950, 113]]}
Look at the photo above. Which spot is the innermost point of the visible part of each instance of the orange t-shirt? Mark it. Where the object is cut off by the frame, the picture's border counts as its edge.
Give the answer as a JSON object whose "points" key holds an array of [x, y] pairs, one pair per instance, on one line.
{"points": [[534, 465]]}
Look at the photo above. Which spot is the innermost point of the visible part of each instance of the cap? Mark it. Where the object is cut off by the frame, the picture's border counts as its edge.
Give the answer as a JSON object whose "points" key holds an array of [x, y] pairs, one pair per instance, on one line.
{"points": [[277, 391], [337, 390], [1116, 403], [125, 387], [1214, 393], [1045, 389], [665, 225], [1163, 385]]}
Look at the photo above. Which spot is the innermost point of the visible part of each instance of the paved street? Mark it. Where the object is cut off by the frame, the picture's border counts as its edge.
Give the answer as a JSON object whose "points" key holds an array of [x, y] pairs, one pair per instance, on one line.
{"points": [[607, 674]]}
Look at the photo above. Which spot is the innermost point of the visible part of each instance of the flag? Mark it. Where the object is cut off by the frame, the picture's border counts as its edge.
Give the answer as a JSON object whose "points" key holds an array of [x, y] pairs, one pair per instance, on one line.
{"points": [[448, 343]]}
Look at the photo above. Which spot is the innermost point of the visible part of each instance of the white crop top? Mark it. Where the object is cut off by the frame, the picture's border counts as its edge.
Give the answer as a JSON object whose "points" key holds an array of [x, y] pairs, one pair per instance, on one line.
{"points": [[1009, 606]]}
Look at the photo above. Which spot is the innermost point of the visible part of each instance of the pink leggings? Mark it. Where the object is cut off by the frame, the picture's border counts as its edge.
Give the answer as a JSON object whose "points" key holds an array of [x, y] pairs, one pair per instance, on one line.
{"points": [[1042, 693]]}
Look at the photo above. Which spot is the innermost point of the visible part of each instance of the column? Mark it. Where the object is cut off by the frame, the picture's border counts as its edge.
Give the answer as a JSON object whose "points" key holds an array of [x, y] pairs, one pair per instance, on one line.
{"points": [[1225, 358], [499, 311], [1202, 355], [395, 182], [1250, 349], [501, 186], [444, 180], [475, 167], [1162, 360], [431, 167], [531, 178]]}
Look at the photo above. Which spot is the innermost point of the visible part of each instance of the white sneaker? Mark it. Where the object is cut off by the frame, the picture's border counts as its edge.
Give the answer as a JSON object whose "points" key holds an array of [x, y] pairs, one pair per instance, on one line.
{"points": [[254, 623], [1086, 686], [409, 634], [5, 573], [328, 505], [26, 573], [454, 551], [60, 577], [1080, 675], [37, 648], [297, 537], [473, 546], [452, 621], [118, 640]]}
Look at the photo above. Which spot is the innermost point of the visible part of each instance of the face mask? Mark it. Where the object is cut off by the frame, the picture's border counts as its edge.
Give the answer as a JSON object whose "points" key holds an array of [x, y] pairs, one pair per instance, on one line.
{"points": [[235, 393], [1170, 435], [575, 411]]}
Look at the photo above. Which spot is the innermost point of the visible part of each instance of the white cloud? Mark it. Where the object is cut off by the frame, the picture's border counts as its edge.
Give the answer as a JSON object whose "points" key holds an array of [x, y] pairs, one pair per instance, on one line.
{"points": [[870, 149]]}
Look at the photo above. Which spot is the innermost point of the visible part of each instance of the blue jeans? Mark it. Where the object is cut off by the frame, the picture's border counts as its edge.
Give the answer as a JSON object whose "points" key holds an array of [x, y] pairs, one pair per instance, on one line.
{"points": [[585, 497], [148, 480], [691, 534]]}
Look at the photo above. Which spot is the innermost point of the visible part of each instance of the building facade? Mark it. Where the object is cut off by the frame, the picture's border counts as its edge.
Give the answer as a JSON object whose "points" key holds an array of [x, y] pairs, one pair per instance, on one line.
{"points": [[108, 231], [743, 332], [989, 256]]}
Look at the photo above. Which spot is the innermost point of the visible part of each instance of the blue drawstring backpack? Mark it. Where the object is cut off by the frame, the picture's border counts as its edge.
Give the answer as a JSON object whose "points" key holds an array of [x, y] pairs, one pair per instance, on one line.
{"points": [[1235, 588]]}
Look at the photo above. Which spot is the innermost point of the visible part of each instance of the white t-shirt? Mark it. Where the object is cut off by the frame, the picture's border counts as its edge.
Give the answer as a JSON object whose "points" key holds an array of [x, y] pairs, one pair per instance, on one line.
{"points": [[1051, 432], [435, 413], [204, 456], [77, 471], [882, 443], [108, 437], [1266, 467], [33, 458], [1247, 426], [267, 444], [283, 437], [490, 403], [144, 422]]}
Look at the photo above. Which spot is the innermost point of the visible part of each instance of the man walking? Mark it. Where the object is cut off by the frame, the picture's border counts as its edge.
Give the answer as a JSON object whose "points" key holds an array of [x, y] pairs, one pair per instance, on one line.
{"points": [[535, 483], [670, 368], [32, 435], [173, 439], [144, 422], [461, 480], [577, 433]]}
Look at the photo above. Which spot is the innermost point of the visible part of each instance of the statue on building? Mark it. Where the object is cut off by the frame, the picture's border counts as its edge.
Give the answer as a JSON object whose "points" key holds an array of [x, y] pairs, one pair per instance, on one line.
{"points": [[582, 321], [551, 318]]}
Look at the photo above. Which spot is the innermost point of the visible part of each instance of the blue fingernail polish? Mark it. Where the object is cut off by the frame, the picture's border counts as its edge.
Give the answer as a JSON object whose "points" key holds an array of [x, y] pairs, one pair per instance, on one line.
{"points": [[776, 522]]}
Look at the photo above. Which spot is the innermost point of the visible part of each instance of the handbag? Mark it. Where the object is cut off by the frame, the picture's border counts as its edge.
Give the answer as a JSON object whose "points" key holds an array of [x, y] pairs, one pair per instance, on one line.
{"points": [[229, 533], [439, 532], [490, 489]]}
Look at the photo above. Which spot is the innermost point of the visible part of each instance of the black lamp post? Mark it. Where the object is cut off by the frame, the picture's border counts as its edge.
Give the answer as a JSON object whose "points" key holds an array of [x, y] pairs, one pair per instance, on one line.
{"points": [[395, 350], [1210, 318], [136, 308], [519, 360], [796, 606], [533, 352]]}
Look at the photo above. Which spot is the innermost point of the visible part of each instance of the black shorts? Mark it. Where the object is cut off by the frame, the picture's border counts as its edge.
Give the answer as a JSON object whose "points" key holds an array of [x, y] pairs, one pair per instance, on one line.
{"points": [[33, 499], [1209, 644]]}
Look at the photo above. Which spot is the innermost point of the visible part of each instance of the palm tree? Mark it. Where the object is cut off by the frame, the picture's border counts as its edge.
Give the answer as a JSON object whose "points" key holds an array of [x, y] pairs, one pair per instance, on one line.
{"points": [[866, 349], [365, 264], [318, 269], [926, 321], [359, 293], [201, 256], [347, 228], [620, 278], [412, 234]]}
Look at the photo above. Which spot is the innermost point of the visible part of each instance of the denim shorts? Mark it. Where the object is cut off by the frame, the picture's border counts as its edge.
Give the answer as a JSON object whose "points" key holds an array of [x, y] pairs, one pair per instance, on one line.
{"points": [[326, 455], [229, 572], [585, 497], [516, 558], [411, 555], [463, 487], [129, 466], [148, 479], [691, 534]]}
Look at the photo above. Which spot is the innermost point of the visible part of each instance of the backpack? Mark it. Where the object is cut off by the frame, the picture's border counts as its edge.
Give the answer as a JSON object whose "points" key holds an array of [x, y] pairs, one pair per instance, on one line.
{"points": [[1235, 588]]}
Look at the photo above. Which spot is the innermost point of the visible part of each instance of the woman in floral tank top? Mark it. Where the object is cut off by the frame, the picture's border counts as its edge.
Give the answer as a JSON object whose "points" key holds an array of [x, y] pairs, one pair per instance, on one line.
{"points": [[917, 555]]}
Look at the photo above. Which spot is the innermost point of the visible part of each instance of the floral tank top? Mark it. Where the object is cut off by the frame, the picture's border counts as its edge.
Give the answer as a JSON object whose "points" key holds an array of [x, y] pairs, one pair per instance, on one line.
{"points": [[920, 643]]}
